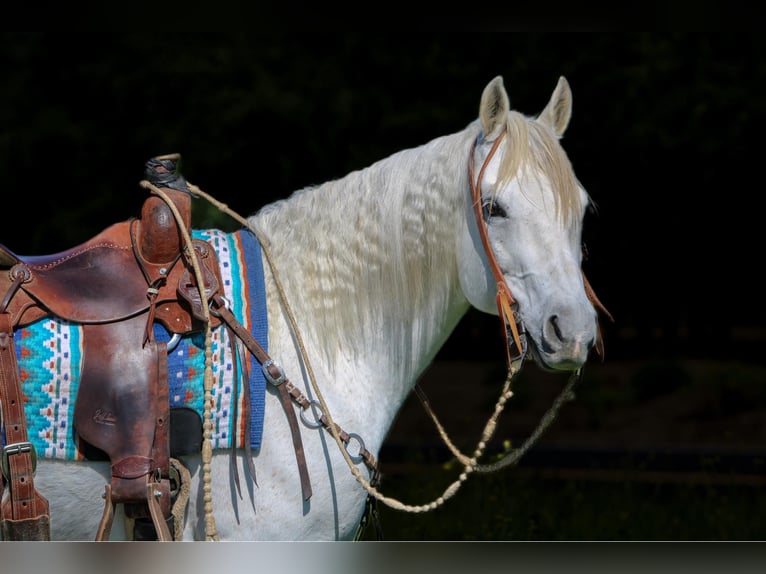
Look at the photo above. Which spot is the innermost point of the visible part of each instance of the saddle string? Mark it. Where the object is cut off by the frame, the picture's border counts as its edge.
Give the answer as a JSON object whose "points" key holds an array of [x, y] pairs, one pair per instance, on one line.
{"points": [[20, 274], [275, 375], [235, 348], [238, 351]]}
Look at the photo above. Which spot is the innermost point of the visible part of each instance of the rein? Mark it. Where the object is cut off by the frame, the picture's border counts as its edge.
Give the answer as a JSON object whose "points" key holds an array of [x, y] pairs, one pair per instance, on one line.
{"points": [[325, 419]]}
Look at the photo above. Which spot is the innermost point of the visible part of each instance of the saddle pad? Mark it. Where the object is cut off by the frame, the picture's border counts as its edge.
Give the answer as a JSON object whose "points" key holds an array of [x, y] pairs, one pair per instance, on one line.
{"points": [[49, 353]]}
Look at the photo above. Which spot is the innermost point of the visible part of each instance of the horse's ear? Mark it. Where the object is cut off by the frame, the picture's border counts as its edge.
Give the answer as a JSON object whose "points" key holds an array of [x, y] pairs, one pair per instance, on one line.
{"points": [[494, 108], [558, 112]]}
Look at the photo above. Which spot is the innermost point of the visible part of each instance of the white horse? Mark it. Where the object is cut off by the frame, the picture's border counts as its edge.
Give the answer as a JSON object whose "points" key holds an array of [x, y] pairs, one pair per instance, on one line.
{"points": [[378, 268]]}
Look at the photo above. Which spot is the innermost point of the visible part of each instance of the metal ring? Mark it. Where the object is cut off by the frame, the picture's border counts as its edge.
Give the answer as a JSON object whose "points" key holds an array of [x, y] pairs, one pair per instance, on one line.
{"points": [[173, 343], [522, 338], [356, 459], [214, 312], [316, 423]]}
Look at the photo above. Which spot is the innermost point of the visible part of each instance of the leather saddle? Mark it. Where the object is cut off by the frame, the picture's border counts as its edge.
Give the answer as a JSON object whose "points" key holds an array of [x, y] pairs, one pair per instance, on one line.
{"points": [[116, 285]]}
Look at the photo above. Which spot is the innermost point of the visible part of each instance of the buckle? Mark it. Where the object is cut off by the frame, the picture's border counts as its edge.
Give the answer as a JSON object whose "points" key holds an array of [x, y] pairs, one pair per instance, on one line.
{"points": [[18, 448], [522, 353], [274, 381]]}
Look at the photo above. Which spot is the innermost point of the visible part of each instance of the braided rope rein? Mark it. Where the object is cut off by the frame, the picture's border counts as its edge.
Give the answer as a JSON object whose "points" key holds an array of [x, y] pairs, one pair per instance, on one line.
{"points": [[470, 464], [512, 457]]}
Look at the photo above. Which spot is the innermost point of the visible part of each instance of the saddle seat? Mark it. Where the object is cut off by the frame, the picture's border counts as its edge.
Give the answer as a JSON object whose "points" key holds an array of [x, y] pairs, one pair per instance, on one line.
{"points": [[101, 281]]}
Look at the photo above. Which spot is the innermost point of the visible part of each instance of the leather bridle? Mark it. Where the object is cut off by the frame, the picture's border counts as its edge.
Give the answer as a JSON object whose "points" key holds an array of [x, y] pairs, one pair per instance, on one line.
{"points": [[505, 301]]}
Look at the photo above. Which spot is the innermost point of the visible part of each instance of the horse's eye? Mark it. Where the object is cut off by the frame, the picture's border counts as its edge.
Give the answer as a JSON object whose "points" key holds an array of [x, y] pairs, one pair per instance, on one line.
{"points": [[492, 209]]}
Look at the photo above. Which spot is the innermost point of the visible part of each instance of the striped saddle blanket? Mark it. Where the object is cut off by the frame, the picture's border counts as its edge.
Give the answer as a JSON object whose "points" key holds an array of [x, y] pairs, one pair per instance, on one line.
{"points": [[49, 354]]}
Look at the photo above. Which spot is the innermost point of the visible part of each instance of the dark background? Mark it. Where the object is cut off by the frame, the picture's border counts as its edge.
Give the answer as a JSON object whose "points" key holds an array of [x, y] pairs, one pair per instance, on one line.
{"points": [[665, 135]]}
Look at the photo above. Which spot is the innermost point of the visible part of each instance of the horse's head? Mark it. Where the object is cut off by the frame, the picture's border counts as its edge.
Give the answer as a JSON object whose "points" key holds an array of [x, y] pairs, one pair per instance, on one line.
{"points": [[530, 207]]}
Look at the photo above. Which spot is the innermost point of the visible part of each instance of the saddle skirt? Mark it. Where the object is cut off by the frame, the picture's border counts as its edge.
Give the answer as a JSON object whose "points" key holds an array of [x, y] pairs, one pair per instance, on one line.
{"points": [[49, 352]]}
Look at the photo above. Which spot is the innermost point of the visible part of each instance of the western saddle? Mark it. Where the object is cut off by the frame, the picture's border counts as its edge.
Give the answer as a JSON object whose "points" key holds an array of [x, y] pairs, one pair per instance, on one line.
{"points": [[117, 285]]}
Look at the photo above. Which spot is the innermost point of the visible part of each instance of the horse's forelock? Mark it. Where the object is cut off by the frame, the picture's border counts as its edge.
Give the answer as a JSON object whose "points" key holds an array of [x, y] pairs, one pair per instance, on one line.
{"points": [[529, 143]]}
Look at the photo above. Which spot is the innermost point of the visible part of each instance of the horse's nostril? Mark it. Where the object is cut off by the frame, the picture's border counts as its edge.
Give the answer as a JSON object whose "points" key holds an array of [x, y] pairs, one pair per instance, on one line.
{"points": [[554, 320], [591, 343]]}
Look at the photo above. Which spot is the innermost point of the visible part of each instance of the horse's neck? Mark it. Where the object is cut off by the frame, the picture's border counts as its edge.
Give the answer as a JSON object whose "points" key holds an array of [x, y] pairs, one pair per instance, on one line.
{"points": [[368, 261]]}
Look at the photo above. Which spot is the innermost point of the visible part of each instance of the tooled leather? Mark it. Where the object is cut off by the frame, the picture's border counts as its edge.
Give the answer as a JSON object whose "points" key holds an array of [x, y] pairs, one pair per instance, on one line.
{"points": [[102, 281]]}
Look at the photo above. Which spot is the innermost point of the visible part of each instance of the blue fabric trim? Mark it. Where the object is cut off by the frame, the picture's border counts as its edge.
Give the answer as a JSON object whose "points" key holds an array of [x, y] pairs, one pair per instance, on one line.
{"points": [[258, 328]]}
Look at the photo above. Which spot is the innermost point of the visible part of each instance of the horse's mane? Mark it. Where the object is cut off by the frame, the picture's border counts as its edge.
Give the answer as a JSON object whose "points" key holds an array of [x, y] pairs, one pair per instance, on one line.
{"points": [[366, 254], [363, 254]]}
